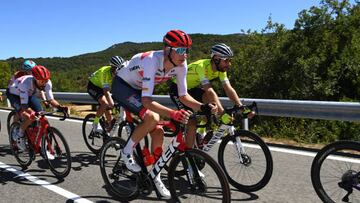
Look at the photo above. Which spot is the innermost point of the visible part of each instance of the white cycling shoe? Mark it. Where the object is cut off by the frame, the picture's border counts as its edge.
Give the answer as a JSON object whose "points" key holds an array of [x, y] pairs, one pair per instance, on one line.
{"points": [[20, 141], [97, 128], [130, 163], [164, 192]]}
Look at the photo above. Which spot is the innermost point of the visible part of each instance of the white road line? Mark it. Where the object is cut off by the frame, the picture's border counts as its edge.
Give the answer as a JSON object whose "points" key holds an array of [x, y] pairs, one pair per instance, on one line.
{"points": [[47, 185]]}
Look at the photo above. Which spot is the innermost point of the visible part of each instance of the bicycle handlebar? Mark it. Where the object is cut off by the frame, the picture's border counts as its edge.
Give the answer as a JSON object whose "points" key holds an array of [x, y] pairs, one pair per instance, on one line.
{"points": [[44, 113]]}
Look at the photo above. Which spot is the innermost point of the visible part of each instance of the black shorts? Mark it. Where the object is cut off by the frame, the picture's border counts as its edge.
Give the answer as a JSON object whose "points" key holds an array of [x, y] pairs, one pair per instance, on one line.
{"points": [[94, 91], [127, 96], [196, 92]]}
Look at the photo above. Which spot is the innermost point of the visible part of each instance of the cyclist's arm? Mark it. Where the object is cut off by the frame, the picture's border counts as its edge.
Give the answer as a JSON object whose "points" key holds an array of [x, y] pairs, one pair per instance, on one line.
{"points": [[231, 93], [156, 107], [212, 97]]}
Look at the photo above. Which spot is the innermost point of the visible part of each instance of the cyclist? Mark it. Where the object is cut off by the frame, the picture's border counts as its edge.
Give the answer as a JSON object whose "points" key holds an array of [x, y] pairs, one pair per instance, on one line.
{"points": [[99, 89], [23, 90], [133, 88], [199, 75], [24, 70]]}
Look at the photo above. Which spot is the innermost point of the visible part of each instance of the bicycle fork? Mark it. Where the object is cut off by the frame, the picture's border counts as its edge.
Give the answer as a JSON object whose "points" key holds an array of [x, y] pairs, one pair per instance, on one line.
{"points": [[192, 173], [239, 147]]}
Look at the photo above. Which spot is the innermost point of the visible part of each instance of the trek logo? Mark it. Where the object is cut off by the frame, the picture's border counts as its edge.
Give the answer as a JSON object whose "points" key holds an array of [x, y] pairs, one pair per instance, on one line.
{"points": [[133, 101], [134, 68], [146, 79], [164, 158]]}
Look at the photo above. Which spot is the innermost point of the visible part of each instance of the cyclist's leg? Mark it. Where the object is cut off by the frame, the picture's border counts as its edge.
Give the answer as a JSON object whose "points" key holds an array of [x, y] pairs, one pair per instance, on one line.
{"points": [[130, 99], [97, 94], [35, 104], [15, 103]]}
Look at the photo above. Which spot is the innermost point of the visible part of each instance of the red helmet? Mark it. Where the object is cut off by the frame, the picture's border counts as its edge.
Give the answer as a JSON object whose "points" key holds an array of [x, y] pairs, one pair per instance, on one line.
{"points": [[40, 73], [177, 38]]}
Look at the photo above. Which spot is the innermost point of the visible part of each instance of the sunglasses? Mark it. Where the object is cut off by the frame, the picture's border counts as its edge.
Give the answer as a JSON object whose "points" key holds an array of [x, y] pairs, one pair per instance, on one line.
{"points": [[226, 59], [181, 50]]}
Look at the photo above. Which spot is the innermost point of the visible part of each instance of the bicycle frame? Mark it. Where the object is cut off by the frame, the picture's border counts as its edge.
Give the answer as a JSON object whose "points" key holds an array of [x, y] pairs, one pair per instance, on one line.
{"points": [[221, 132], [36, 133]]}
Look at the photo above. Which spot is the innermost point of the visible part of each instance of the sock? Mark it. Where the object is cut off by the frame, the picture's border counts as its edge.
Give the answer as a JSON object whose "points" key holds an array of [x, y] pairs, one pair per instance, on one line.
{"points": [[129, 147], [96, 120]]}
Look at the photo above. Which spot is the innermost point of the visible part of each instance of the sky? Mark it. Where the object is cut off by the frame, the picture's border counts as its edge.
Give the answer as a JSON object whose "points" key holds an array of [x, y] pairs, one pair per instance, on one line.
{"points": [[64, 28]]}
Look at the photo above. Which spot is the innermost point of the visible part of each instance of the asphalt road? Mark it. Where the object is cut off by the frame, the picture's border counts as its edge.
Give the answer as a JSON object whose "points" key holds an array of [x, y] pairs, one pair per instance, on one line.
{"points": [[290, 181]]}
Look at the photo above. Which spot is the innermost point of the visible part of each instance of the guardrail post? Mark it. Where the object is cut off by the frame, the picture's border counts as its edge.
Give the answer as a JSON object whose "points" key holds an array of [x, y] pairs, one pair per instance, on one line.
{"points": [[245, 123]]}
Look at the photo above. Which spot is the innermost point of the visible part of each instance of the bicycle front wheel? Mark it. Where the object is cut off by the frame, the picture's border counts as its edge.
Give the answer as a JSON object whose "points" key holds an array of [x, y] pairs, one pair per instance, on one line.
{"points": [[335, 172], [56, 152], [119, 181], [94, 141], [249, 169], [208, 185]]}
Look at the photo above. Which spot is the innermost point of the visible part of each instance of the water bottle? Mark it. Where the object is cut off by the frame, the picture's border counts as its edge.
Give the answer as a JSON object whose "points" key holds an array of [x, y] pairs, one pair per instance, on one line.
{"points": [[148, 158], [207, 137], [157, 153]]}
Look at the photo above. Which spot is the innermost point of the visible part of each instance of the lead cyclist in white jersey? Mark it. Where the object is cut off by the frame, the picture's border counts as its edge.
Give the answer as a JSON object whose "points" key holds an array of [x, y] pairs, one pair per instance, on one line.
{"points": [[133, 88]]}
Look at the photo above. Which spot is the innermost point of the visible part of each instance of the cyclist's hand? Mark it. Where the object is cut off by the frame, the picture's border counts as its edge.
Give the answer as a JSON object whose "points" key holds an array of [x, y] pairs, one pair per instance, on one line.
{"points": [[64, 109], [181, 115], [47, 104], [226, 118], [246, 112], [209, 108]]}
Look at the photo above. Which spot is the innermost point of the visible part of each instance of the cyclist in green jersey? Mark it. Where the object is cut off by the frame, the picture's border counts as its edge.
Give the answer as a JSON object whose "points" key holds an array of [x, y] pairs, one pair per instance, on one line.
{"points": [[99, 88], [199, 76]]}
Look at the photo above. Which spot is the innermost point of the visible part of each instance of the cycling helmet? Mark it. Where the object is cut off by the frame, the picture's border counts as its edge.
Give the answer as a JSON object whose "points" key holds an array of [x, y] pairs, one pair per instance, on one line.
{"points": [[40, 73], [28, 65], [221, 50], [177, 38], [116, 61]]}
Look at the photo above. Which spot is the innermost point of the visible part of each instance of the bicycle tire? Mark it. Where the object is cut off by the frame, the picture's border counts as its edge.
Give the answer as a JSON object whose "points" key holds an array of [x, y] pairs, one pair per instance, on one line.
{"points": [[9, 120], [93, 142], [60, 160], [214, 175], [319, 170], [112, 169], [244, 169], [23, 158]]}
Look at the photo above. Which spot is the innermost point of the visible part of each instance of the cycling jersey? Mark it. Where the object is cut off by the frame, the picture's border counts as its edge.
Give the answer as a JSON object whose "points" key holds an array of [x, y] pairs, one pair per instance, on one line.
{"points": [[15, 76], [201, 73], [25, 87], [102, 77], [145, 70]]}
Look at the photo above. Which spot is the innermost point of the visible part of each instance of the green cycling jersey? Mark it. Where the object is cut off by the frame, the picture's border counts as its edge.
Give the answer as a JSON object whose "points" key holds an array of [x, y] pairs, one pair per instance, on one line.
{"points": [[201, 73], [102, 77]]}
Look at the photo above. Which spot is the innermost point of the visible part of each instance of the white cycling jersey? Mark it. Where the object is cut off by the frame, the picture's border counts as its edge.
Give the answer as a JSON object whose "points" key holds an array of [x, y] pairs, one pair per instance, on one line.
{"points": [[144, 70], [25, 87]]}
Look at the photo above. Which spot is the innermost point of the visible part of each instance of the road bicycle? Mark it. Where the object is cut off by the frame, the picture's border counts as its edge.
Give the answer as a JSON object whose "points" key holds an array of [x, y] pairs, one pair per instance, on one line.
{"points": [[41, 138], [211, 186], [243, 155], [335, 172], [123, 125]]}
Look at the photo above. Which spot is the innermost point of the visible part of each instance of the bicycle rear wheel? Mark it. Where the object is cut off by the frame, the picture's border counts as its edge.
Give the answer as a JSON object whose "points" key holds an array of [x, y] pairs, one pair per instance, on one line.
{"points": [[211, 185], [24, 158], [254, 171], [10, 120], [94, 141], [335, 172], [56, 152], [119, 181]]}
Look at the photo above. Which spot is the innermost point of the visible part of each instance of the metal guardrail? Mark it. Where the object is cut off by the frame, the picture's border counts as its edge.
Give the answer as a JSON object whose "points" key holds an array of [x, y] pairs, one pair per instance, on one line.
{"points": [[327, 110]]}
